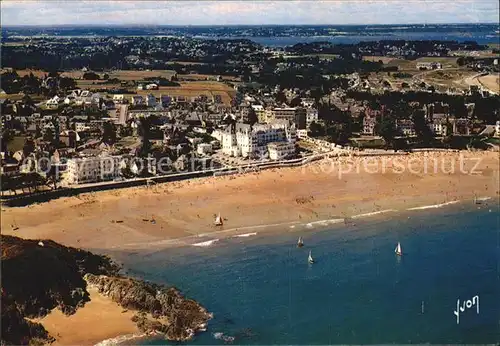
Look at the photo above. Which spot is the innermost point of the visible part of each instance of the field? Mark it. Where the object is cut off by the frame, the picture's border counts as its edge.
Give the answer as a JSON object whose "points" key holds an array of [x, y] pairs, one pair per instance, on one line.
{"points": [[22, 73], [191, 89], [476, 54], [491, 82], [198, 86], [318, 55], [411, 65], [138, 75], [185, 63], [385, 59], [206, 77], [368, 142], [121, 74], [16, 143]]}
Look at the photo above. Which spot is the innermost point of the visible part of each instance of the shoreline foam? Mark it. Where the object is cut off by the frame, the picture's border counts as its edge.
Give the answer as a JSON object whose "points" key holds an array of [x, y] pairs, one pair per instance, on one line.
{"points": [[434, 206], [206, 243], [294, 226], [246, 235], [278, 198], [373, 213]]}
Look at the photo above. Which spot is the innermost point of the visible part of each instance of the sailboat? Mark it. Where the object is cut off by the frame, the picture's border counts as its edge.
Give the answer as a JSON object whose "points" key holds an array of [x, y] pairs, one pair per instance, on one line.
{"points": [[398, 250], [300, 242], [218, 221], [476, 201], [310, 259]]}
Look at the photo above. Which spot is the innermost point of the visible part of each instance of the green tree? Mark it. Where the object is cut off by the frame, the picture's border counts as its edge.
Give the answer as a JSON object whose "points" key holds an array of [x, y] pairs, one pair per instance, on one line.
{"points": [[424, 133], [48, 135], [252, 116], [90, 76], [280, 97], [387, 129], [108, 133], [316, 129], [66, 83], [144, 131], [295, 102]]}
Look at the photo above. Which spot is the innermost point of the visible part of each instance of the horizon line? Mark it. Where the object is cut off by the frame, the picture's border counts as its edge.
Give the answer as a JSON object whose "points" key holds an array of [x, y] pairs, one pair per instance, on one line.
{"points": [[232, 25]]}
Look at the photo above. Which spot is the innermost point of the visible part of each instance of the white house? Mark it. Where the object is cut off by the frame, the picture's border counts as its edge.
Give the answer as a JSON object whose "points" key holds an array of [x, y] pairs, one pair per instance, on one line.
{"points": [[428, 65], [70, 99], [118, 98], [247, 141], [93, 169], [53, 102], [497, 129], [80, 127], [406, 127], [204, 148], [439, 127], [301, 134], [307, 102], [260, 113], [281, 150], [311, 116], [152, 86]]}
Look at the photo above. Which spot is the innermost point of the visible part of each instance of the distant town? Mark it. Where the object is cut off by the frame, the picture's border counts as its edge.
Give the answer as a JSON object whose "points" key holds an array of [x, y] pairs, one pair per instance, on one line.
{"points": [[85, 110]]}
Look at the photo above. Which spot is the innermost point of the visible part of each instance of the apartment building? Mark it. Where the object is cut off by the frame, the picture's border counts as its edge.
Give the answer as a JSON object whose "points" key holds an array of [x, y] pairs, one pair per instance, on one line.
{"points": [[251, 141], [260, 112], [295, 115], [281, 150], [406, 127], [311, 116], [93, 169]]}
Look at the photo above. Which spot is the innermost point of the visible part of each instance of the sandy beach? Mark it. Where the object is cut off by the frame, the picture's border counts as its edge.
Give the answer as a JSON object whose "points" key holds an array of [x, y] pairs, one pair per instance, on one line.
{"points": [[183, 212], [98, 320], [276, 200]]}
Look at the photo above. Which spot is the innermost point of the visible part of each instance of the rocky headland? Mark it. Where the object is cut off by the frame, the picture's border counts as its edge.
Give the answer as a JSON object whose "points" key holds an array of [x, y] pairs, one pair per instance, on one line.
{"points": [[39, 276]]}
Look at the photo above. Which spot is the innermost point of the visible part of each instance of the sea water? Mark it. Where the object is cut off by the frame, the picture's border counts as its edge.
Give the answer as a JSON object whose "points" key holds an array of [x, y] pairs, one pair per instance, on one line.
{"points": [[262, 290]]}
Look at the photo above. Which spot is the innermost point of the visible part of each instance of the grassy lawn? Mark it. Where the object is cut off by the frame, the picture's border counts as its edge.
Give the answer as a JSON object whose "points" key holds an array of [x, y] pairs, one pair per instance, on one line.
{"points": [[373, 142], [17, 143]]}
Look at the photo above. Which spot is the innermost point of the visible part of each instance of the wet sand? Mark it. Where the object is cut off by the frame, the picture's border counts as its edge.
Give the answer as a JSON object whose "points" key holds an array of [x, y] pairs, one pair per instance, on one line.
{"points": [[184, 211]]}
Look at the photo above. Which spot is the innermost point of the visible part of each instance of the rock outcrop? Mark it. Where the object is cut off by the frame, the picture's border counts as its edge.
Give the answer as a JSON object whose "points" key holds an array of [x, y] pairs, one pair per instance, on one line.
{"points": [[37, 279], [38, 276], [162, 310]]}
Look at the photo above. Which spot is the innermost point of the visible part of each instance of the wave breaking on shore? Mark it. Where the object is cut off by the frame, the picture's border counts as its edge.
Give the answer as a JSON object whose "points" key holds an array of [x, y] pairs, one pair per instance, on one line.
{"points": [[206, 243], [373, 213], [246, 235], [434, 206], [124, 339], [323, 223]]}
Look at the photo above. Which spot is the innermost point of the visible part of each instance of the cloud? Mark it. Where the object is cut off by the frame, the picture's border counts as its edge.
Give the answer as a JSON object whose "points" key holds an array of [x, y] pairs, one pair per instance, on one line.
{"points": [[50, 12]]}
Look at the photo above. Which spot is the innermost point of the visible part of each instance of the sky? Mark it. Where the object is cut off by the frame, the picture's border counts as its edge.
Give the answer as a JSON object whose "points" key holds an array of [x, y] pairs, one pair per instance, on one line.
{"points": [[187, 12]]}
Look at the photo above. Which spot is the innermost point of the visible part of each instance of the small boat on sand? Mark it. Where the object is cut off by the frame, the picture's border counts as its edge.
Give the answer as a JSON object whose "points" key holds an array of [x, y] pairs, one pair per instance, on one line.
{"points": [[310, 259], [398, 250], [300, 242], [218, 220]]}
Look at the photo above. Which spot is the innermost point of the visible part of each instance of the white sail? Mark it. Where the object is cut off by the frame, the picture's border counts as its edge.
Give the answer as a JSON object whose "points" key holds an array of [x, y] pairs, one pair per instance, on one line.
{"points": [[300, 241], [310, 259], [398, 249], [218, 220]]}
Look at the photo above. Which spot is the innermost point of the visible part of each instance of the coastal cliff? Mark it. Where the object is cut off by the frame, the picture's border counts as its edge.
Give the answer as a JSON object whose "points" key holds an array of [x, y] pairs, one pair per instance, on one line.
{"points": [[39, 276], [162, 309]]}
